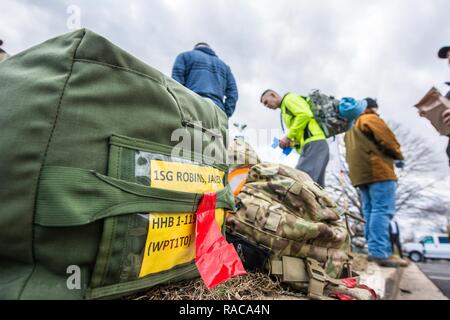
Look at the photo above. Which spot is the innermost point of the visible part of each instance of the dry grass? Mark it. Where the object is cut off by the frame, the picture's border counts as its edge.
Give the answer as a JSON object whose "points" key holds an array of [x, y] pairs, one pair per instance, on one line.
{"points": [[359, 262], [252, 286]]}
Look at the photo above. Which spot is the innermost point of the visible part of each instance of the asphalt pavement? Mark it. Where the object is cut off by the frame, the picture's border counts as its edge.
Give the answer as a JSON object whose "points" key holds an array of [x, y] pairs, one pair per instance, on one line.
{"points": [[438, 271]]}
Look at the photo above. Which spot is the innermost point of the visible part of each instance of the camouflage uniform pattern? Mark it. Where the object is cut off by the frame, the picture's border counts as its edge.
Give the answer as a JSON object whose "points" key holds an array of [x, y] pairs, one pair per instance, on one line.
{"points": [[284, 210], [3, 55], [135, 237], [241, 154], [326, 112]]}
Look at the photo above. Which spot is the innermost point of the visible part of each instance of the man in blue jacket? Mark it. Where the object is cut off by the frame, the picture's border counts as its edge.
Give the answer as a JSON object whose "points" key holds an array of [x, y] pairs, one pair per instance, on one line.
{"points": [[203, 72]]}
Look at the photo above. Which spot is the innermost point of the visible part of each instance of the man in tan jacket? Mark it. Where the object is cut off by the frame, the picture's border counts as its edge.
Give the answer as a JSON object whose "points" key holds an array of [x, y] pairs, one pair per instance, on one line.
{"points": [[371, 149]]}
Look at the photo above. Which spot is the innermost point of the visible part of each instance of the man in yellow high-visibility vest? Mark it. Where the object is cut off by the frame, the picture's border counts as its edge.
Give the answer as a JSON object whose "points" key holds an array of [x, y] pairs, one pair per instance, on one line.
{"points": [[305, 133]]}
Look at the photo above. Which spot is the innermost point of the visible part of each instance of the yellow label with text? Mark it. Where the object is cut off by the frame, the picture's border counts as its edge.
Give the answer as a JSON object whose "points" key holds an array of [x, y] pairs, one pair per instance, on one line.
{"points": [[171, 236], [170, 241], [185, 177]]}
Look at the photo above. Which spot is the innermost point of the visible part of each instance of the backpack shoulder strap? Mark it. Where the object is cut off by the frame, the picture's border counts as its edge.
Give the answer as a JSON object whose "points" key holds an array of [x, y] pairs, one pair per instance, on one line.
{"points": [[307, 100], [288, 111]]}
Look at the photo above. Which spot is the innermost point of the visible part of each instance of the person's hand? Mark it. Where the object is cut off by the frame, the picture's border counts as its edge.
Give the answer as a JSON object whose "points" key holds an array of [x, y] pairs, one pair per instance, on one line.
{"points": [[446, 116], [285, 143]]}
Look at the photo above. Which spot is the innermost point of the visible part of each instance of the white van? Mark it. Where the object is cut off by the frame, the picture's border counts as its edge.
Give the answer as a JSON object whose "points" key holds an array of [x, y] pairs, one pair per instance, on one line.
{"points": [[429, 247]]}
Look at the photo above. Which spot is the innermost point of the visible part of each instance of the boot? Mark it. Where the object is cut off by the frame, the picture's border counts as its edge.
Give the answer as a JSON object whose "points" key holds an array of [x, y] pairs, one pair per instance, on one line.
{"points": [[401, 262], [384, 262]]}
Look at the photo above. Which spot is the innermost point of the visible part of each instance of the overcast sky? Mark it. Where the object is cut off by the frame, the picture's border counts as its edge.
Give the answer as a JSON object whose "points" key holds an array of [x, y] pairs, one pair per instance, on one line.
{"points": [[382, 49]]}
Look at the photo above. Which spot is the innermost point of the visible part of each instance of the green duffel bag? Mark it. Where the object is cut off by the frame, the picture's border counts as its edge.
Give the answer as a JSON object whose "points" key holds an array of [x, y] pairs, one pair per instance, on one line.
{"points": [[95, 202]]}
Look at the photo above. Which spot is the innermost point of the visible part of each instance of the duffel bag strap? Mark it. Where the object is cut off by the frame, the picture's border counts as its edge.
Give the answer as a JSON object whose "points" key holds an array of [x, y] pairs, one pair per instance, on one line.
{"points": [[87, 196]]}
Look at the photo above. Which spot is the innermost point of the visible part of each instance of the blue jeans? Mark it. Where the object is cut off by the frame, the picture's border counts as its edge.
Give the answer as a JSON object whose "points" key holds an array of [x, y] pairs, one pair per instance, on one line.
{"points": [[378, 204]]}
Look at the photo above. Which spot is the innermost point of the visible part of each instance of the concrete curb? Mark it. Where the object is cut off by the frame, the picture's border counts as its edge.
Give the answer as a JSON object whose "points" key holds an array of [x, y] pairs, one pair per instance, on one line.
{"points": [[408, 283], [415, 285], [400, 284]]}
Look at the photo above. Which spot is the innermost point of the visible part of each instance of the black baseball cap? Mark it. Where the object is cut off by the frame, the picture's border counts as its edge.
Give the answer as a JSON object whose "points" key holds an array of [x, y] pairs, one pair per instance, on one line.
{"points": [[443, 52], [202, 44], [371, 103]]}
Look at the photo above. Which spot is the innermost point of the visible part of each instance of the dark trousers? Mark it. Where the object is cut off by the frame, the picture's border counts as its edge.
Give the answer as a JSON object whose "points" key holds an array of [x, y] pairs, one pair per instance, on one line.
{"points": [[395, 242], [448, 150], [314, 160]]}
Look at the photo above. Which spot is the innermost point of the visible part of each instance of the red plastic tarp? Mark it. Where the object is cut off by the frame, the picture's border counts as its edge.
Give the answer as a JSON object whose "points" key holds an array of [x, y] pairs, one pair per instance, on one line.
{"points": [[216, 260]]}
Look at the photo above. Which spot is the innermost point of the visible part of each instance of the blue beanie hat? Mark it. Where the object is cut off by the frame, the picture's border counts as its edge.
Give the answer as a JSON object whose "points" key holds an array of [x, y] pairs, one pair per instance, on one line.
{"points": [[351, 109]]}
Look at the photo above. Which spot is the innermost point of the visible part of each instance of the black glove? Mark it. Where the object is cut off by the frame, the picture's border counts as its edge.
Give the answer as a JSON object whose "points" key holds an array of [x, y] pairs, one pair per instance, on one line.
{"points": [[399, 164]]}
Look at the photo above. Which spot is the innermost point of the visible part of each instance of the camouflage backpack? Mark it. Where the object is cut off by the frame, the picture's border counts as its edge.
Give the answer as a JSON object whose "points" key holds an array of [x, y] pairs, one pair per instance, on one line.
{"points": [[326, 111], [241, 157], [241, 154], [3, 55], [286, 212]]}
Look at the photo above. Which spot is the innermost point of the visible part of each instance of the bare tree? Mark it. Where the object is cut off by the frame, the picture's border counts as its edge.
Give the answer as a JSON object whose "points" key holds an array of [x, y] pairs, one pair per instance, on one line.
{"points": [[340, 186], [413, 183]]}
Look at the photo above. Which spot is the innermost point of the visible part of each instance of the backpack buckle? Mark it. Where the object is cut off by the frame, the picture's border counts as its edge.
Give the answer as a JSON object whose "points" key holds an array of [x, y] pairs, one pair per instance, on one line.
{"points": [[315, 271], [317, 279]]}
